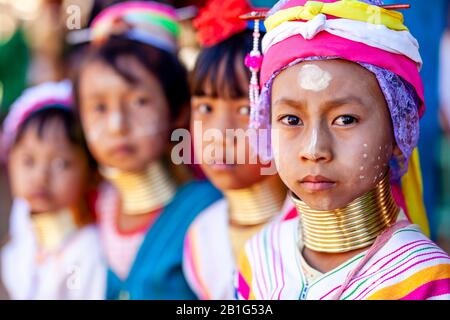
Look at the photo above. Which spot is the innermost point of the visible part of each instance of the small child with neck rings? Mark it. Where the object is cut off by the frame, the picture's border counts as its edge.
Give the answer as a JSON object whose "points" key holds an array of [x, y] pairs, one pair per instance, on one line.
{"points": [[346, 111], [220, 102], [132, 91], [54, 249]]}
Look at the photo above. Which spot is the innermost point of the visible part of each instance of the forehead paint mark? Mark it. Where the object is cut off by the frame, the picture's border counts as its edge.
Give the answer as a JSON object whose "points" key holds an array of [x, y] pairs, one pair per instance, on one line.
{"points": [[312, 77], [365, 155], [361, 168], [365, 145]]}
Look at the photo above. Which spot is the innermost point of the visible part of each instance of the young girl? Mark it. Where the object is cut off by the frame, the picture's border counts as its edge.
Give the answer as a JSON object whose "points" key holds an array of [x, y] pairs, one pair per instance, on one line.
{"points": [[132, 91], [54, 250], [220, 102], [343, 96]]}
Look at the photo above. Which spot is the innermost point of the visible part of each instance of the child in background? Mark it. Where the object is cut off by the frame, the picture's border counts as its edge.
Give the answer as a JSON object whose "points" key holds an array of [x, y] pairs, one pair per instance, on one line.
{"points": [[54, 250], [220, 102], [342, 93], [132, 91]]}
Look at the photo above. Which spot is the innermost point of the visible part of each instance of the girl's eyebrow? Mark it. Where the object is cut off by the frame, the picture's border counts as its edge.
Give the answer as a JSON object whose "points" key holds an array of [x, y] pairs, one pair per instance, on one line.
{"points": [[334, 103], [289, 102], [355, 100]]}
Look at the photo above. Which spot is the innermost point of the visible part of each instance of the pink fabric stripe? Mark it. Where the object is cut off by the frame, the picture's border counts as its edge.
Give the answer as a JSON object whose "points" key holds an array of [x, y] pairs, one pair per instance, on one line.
{"points": [[372, 287], [363, 275], [121, 8], [380, 242], [429, 290], [291, 214], [243, 287]]}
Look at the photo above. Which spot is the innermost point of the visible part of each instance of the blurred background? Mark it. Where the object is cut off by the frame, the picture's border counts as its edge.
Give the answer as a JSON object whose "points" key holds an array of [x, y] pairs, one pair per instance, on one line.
{"points": [[41, 40]]}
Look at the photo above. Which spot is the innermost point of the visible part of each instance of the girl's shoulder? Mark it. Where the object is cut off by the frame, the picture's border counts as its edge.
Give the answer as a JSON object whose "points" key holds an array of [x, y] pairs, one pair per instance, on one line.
{"points": [[409, 266]]}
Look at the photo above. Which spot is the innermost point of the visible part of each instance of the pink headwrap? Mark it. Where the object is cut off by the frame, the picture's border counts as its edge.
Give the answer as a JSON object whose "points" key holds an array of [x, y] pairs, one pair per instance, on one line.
{"points": [[34, 99]]}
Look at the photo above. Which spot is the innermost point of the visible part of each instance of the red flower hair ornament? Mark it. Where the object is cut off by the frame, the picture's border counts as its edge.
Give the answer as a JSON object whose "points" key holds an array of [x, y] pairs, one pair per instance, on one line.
{"points": [[219, 20]]}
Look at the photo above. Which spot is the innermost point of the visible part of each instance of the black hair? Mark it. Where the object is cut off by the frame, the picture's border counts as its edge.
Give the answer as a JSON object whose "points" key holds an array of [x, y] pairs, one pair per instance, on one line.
{"points": [[163, 65], [71, 124], [216, 72]]}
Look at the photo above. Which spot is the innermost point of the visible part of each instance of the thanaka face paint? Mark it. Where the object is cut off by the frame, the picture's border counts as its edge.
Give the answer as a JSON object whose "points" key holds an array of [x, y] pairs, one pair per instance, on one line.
{"points": [[313, 144], [312, 77]]}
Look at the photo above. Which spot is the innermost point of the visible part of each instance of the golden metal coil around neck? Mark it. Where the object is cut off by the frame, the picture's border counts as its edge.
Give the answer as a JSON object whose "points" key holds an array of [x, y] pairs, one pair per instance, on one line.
{"points": [[353, 227]]}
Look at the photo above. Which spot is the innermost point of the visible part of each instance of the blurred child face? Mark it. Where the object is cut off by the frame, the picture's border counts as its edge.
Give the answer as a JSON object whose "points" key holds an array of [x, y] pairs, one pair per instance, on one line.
{"points": [[220, 114], [335, 132], [48, 171], [126, 124]]}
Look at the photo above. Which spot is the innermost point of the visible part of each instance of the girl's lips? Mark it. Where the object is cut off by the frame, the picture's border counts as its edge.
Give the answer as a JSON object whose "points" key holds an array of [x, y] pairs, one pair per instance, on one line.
{"points": [[317, 186], [317, 183], [123, 150]]}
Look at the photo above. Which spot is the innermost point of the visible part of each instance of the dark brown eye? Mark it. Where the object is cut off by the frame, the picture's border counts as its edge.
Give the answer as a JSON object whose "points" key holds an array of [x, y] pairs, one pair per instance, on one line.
{"points": [[204, 108], [61, 164], [291, 120], [141, 102], [345, 120]]}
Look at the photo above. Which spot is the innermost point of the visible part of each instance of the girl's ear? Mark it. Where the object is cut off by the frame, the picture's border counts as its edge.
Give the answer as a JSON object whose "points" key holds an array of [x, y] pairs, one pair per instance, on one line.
{"points": [[183, 118]]}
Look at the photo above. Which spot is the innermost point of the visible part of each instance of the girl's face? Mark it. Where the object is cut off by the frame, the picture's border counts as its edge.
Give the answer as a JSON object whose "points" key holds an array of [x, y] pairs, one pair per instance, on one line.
{"points": [[332, 134], [48, 171], [232, 164], [126, 124]]}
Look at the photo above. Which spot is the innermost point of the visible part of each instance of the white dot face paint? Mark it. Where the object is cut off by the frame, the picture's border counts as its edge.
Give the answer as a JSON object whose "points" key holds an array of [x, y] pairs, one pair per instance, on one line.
{"points": [[313, 78]]}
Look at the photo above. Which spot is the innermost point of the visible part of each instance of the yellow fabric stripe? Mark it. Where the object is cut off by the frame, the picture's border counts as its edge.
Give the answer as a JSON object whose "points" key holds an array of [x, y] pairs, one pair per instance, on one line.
{"points": [[401, 289], [412, 189], [346, 9], [246, 271]]}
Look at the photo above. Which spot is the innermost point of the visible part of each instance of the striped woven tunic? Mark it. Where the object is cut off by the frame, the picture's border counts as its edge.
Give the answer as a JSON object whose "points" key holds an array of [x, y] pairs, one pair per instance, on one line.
{"points": [[406, 266]]}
